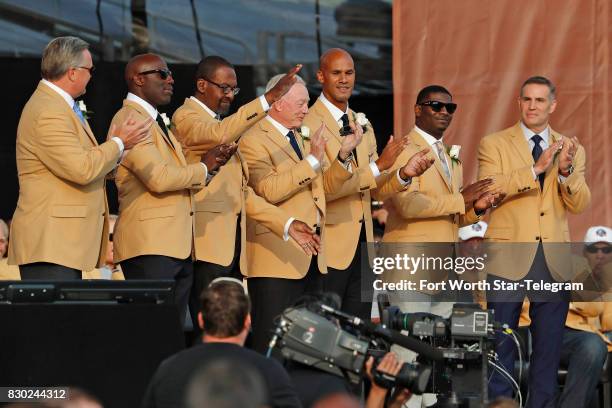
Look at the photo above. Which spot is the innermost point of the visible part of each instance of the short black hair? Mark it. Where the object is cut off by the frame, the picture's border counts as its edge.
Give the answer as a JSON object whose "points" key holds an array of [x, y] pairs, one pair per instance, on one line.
{"points": [[209, 65], [225, 307], [428, 90], [540, 80]]}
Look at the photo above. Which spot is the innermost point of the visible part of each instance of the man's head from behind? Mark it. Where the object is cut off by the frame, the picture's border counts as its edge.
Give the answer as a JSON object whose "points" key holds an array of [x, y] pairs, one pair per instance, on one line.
{"points": [[148, 76], [434, 110], [66, 61], [598, 247], [225, 312], [216, 84], [291, 109], [337, 76]]}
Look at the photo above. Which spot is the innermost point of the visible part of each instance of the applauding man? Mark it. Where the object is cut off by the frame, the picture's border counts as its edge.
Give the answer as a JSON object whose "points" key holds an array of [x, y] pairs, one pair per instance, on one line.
{"points": [[154, 232], [60, 226]]}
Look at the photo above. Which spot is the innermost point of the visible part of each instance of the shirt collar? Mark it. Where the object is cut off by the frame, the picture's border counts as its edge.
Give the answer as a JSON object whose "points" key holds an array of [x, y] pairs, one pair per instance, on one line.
{"points": [[278, 126], [146, 105], [203, 105], [65, 95], [528, 133], [333, 109], [428, 138]]}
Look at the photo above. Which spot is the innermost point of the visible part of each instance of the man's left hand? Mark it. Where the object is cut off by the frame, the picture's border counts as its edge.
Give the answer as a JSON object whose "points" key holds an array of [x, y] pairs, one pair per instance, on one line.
{"points": [[567, 155], [305, 237]]}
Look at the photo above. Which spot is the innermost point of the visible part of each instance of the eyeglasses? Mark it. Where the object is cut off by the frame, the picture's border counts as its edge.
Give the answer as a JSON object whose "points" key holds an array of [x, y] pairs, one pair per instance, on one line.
{"points": [[592, 249], [437, 106], [225, 88], [90, 69], [163, 73]]}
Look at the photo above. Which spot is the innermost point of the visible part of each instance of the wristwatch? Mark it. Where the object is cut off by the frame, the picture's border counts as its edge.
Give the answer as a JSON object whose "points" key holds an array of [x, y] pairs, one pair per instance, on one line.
{"points": [[568, 171]]}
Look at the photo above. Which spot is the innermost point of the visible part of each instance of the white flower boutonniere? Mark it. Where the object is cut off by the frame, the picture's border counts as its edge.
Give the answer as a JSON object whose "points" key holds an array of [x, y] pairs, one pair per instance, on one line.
{"points": [[361, 119], [453, 152], [83, 108], [166, 120], [305, 132]]}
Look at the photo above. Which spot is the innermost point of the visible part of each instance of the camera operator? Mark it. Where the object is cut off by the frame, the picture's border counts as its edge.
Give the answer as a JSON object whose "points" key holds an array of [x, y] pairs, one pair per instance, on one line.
{"points": [[389, 364]]}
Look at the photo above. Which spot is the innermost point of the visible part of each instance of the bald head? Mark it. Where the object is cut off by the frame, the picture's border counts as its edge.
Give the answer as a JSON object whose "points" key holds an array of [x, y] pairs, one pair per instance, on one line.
{"points": [[337, 76], [148, 77]]}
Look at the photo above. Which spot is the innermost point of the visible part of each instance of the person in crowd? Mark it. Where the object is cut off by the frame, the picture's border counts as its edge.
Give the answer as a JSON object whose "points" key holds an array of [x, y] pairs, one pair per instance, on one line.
{"points": [[289, 171], [585, 345], [226, 384], [542, 174], [7, 272], [431, 211], [348, 222], [226, 320], [61, 220], [156, 184], [222, 207], [110, 270]]}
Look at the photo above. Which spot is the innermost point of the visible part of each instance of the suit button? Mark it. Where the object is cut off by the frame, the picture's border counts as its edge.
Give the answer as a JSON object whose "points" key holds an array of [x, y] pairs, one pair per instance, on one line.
{"points": [[191, 213], [103, 214], [316, 198], [537, 238], [541, 214]]}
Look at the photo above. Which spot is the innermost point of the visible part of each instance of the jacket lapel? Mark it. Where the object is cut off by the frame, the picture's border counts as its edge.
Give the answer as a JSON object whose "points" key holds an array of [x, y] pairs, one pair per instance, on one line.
{"points": [[280, 140], [418, 139], [520, 145]]}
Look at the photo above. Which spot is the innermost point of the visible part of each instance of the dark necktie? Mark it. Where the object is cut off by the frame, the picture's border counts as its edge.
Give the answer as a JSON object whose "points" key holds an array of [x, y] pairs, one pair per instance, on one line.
{"points": [[536, 153], [162, 125], [345, 120], [294, 144]]}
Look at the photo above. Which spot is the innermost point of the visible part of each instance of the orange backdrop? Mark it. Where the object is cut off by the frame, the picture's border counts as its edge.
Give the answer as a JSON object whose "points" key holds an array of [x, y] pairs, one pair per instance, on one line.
{"points": [[483, 50]]}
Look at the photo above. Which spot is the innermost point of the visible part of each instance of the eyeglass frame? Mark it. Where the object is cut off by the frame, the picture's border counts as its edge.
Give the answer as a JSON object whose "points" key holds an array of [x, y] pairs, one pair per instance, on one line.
{"points": [[226, 89], [437, 106], [163, 73], [592, 249], [90, 69]]}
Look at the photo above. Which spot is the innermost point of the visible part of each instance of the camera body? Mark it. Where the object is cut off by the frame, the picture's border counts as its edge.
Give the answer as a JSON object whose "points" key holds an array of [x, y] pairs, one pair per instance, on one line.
{"points": [[318, 340]]}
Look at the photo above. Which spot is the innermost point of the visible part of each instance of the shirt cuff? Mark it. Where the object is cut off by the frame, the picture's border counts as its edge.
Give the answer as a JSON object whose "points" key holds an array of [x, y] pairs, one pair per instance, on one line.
{"points": [[562, 179], [119, 144], [314, 163], [286, 231], [535, 176], [375, 170], [264, 104], [207, 176], [401, 180]]}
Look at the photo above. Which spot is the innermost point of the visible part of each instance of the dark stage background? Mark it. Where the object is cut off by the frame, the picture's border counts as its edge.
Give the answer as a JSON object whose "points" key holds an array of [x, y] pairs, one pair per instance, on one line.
{"points": [[104, 96]]}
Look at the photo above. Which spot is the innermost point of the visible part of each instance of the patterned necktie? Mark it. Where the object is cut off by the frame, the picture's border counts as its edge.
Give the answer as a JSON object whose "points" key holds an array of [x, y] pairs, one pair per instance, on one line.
{"points": [[294, 144], [440, 150], [536, 153], [77, 110]]}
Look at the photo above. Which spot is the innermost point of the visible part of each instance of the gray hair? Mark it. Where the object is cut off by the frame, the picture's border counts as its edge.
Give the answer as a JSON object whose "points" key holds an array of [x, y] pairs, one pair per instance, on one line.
{"points": [[274, 80], [540, 80], [61, 54]]}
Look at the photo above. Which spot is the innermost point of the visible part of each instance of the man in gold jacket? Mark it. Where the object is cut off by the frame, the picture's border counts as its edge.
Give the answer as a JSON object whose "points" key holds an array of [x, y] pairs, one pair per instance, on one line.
{"points": [[542, 174], [153, 237], [287, 171], [61, 222], [348, 221], [222, 207]]}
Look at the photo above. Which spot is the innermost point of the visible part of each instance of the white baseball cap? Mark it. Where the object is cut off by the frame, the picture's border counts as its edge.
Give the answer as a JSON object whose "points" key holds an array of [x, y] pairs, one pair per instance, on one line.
{"points": [[598, 234], [473, 231]]}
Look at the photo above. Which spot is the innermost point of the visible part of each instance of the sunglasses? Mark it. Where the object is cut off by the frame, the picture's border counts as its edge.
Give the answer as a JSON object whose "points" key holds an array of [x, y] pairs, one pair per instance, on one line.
{"points": [[226, 89], [593, 249], [437, 106], [163, 73]]}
